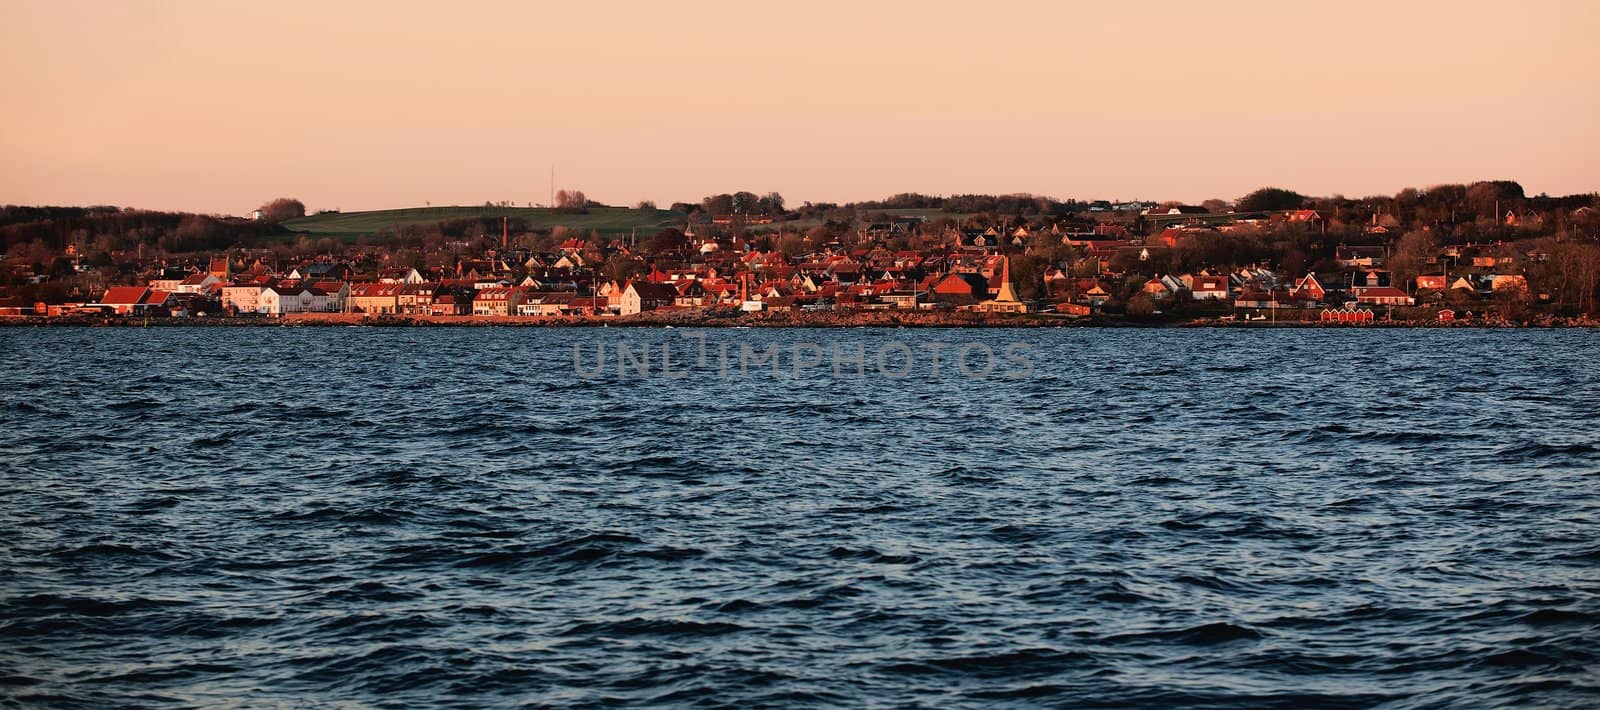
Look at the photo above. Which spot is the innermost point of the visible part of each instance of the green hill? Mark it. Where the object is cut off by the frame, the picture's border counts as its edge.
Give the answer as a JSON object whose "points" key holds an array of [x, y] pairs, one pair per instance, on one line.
{"points": [[611, 220], [606, 220]]}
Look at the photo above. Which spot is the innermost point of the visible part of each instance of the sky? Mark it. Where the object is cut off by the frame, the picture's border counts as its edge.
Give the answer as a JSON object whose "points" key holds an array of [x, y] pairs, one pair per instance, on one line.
{"points": [[218, 106]]}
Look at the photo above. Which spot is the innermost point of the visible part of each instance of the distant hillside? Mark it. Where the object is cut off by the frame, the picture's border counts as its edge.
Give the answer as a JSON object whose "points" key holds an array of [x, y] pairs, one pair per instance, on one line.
{"points": [[611, 220]]}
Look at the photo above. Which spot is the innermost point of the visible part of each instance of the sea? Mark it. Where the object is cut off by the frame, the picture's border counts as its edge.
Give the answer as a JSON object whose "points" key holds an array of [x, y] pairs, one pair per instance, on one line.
{"points": [[1078, 517]]}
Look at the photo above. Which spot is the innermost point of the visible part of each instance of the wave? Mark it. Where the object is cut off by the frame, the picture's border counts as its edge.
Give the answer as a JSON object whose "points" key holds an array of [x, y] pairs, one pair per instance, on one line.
{"points": [[640, 626], [1203, 635], [872, 556]]}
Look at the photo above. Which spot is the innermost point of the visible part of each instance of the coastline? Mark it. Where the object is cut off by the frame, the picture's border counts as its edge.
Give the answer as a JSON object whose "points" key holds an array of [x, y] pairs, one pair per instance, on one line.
{"points": [[705, 319]]}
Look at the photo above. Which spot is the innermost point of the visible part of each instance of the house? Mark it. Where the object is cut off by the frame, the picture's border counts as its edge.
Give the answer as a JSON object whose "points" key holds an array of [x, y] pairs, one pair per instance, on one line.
{"points": [[1359, 257], [961, 284], [1180, 209], [338, 292], [1308, 288], [279, 300], [690, 295], [1508, 282], [221, 268], [414, 297], [403, 275], [1091, 292], [1156, 288], [904, 300], [13, 306], [641, 296], [1373, 277], [200, 282], [1055, 280], [611, 291], [1253, 298], [1209, 287], [497, 301], [1432, 282], [549, 303], [1169, 237], [242, 298], [160, 302], [369, 297], [168, 279], [1382, 296], [586, 305], [125, 300], [448, 304]]}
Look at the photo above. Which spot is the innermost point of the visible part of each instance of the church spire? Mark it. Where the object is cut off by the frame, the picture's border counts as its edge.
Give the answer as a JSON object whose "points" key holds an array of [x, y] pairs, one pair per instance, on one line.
{"points": [[1007, 294]]}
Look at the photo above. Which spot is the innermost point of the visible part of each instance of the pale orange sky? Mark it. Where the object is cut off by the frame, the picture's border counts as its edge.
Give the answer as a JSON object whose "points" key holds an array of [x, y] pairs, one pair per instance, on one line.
{"points": [[220, 106]]}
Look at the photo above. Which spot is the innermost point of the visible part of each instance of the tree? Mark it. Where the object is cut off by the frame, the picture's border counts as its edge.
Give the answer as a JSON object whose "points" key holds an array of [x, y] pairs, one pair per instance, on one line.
{"points": [[1028, 274], [620, 268], [571, 200], [1576, 275], [668, 240], [1484, 197], [645, 205], [717, 204], [1141, 305], [792, 244], [281, 209], [770, 204], [1269, 199], [744, 202], [1411, 253]]}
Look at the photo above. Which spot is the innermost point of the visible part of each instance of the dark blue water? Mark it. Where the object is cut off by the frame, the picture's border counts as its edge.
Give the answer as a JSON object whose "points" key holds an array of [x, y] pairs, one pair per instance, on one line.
{"points": [[421, 516]]}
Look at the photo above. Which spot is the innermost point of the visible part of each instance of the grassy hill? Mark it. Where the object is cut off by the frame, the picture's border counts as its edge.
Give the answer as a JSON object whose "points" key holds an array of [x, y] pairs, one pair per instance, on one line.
{"points": [[606, 220], [610, 220]]}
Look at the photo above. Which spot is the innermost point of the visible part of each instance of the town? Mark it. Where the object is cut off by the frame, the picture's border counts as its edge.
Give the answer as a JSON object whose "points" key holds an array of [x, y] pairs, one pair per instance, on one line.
{"points": [[1483, 252]]}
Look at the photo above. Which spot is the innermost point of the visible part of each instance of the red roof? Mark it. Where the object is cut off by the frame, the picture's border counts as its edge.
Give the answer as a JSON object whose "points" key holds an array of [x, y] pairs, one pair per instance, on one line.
{"points": [[370, 290], [124, 295]]}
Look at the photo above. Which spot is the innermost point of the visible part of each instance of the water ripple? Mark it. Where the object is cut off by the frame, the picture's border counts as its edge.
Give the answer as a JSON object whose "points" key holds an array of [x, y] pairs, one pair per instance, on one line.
{"points": [[402, 517]]}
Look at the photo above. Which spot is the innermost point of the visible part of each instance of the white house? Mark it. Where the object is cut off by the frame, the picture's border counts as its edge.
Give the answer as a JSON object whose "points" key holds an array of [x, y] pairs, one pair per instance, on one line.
{"points": [[246, 299], [199, 282], [278, 300], [643, 296], [405, 275]]}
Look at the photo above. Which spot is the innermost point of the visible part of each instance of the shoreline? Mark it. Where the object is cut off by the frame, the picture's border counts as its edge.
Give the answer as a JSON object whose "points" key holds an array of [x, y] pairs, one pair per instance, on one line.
{"points": [[703, 319]]}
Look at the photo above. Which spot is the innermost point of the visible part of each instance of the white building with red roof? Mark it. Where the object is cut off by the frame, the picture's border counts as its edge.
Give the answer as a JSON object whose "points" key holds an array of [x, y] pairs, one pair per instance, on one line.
{"points": [[126, 300]]}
